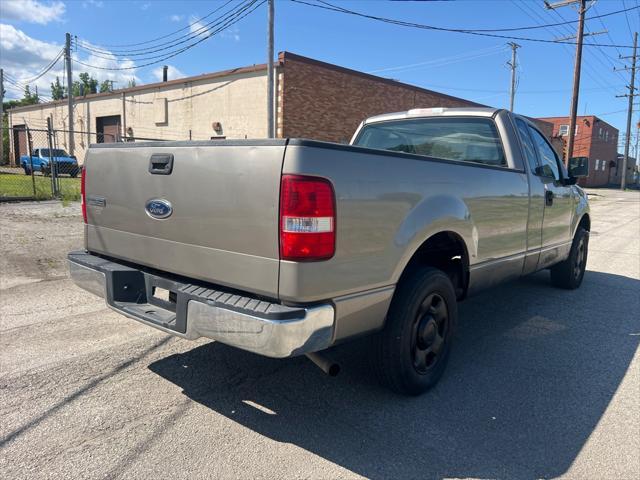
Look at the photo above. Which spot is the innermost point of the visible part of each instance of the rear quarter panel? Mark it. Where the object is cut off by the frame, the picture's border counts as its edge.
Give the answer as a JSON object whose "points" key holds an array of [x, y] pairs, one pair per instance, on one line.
{"points": [[388, 205]]}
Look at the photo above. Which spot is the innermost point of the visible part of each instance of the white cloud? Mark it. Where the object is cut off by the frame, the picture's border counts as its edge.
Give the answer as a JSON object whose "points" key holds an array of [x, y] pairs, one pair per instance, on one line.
{"points": [[96, 63], [201, 30], [176, 18], [24, 57], [173, 73], [93, 3], [32, 11], [196, 27]]}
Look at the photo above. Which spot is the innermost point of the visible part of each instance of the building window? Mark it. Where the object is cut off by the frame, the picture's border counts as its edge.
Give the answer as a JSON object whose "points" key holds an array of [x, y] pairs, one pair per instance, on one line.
{"points": [[597, 165], [600, 134], [564, 130], [606, 136]]}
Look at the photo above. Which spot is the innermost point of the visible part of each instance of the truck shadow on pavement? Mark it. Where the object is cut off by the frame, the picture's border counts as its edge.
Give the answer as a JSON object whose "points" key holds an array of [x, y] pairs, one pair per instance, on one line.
{"points": [[533, 370]]}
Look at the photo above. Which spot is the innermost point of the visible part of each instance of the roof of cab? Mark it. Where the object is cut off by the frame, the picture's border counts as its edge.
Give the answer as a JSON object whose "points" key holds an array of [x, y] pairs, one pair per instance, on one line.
{"points": [[434, 112]]}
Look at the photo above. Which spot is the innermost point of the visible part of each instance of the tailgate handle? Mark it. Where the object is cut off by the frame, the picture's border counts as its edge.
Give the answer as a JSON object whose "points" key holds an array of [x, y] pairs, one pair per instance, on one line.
{"points": [[161, 164]]}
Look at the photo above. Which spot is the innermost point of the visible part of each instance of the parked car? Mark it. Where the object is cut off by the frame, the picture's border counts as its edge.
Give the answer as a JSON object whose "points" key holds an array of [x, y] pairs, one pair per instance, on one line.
{"points": [[43, 160], [286, 247]]}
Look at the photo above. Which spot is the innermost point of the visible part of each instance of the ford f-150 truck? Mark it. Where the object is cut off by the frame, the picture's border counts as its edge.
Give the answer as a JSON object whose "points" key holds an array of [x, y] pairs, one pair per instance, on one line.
{"points": [[286, 247], [43, 160]]}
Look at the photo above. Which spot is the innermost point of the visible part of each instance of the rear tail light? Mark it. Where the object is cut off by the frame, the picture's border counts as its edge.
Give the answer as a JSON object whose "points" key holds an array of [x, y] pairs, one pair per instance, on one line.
{"points": [[83, 176], [307, 218]]}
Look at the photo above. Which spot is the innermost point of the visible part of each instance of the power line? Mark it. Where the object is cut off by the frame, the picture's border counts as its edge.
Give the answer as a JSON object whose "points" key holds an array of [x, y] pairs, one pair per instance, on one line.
{"points": [[44, 71], [439, 62], [595, 76], [201, 30], [600, 50], [195, 22], [627, 19], [334, 8], [230, 22], [529, 27], [17, 86]]}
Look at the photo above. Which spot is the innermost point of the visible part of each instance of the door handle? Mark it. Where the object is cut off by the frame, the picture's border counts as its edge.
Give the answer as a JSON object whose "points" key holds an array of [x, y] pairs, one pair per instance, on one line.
{"points": [[548, 198], [161, 164]]}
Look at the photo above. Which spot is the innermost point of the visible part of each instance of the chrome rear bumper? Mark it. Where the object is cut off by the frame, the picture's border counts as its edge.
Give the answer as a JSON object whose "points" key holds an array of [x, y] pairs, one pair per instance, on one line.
{"points": [[248, 323]]}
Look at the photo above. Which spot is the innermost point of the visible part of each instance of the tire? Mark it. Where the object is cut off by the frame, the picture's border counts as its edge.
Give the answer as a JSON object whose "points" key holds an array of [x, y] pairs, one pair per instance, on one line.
{"points": [[569, 273], [26, 171], [74, 172], [411, 352]]}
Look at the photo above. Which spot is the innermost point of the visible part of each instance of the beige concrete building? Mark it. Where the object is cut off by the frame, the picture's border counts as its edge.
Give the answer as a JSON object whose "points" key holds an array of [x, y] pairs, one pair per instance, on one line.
{"points": [[229, 104], [313, 99]]}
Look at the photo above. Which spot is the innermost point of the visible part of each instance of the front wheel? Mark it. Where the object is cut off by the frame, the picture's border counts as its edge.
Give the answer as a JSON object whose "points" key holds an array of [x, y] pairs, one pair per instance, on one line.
{"points": [[411, 352], [26, 171], [569, 273]]}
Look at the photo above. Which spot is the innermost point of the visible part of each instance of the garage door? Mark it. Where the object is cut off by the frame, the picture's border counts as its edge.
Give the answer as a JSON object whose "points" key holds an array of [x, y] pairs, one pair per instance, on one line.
{"points": [[108, 128], [20, 145]]}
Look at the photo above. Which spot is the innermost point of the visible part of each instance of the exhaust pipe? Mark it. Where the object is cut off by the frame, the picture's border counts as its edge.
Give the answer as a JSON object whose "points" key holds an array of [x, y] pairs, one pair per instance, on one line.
{"points": [[328, 366]]}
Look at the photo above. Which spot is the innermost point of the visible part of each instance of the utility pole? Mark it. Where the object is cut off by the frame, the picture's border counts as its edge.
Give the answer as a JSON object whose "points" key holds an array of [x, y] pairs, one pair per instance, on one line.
{"points": [[67, 59], [576, 70], [270, 102], [514, 46], [631, 94], [2, 115]]}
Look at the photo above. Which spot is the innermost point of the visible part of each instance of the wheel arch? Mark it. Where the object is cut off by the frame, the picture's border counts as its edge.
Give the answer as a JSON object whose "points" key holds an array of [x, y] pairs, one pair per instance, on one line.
{"points": [[445, 250], [585, 222]]}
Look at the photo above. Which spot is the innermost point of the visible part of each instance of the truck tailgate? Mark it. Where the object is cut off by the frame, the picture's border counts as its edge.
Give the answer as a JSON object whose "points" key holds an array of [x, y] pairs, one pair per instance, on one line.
{"points": [[224, 197]]}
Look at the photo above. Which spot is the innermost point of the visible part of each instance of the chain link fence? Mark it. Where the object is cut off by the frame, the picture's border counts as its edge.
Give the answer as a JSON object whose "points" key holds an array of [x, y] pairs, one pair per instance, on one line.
{"points": [[36, 165]]}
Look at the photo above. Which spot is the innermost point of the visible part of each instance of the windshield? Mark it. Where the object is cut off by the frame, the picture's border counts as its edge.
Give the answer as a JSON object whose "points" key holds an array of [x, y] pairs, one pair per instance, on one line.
{"points": [[56, 152], [462, 139]]}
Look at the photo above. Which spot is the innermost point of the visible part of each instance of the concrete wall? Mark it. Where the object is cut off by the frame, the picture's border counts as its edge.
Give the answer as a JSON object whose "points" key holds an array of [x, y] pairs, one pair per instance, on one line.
{"points": [[632, 169], [236, 100]]}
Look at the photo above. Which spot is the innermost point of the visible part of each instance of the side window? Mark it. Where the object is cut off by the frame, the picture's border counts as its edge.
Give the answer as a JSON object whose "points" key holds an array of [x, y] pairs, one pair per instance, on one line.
{"points": [[527, 144], [36, 152], [548, 157]]}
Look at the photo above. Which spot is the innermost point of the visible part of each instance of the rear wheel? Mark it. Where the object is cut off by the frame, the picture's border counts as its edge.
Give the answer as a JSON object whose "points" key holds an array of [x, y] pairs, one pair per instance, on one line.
{"points": [[411, 352], [569, 274], [26, 171]]}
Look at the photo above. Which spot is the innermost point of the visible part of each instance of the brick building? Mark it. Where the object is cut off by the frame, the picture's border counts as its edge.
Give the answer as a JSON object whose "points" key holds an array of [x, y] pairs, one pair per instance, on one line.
{"points": [[313, 99], [595, 139]]}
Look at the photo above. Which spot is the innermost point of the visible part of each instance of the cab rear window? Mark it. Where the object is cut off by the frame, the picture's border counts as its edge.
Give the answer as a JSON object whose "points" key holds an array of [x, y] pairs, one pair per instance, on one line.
{"points": [[459, 139]]}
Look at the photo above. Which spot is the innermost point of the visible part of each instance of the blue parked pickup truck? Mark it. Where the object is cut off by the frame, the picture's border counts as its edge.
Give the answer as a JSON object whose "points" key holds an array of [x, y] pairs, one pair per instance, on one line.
{"points": [[42, 158]]}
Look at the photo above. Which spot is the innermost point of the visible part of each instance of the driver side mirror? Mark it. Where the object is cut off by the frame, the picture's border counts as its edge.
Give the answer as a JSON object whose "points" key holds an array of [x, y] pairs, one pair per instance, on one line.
{"points": [[578, 167]]}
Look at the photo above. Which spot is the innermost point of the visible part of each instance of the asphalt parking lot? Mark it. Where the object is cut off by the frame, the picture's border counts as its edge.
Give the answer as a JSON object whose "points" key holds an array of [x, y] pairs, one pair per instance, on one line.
{"points": [[542, 383]]}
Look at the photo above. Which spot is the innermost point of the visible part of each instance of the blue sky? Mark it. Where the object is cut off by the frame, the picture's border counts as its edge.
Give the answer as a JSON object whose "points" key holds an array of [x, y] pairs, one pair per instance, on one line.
{"points": [[467, 66]]}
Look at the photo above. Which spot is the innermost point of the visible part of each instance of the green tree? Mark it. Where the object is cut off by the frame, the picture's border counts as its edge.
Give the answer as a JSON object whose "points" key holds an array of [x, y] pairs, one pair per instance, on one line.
{"points": [[106, 86], [131, 83], [29, 98], [85, 85], [57, 90]]}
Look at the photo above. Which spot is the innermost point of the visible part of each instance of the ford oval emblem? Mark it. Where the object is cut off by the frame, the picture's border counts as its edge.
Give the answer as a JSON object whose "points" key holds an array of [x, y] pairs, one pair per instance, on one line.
{"points": [[158, 208]]}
